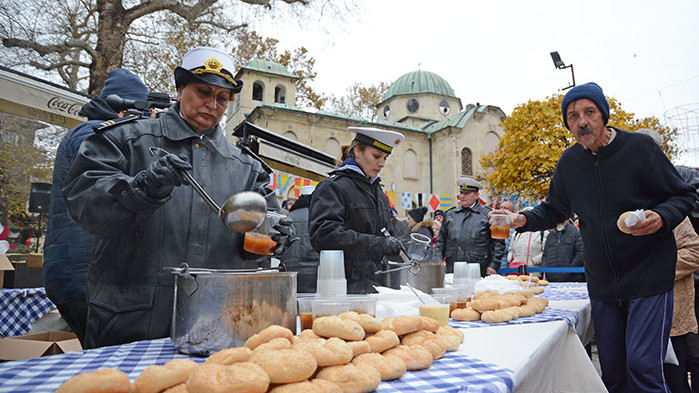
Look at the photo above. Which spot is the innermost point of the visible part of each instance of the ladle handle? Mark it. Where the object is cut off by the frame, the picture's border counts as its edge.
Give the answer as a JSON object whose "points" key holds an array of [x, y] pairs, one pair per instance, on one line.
{"points": [[401, 253], [160, 152]]}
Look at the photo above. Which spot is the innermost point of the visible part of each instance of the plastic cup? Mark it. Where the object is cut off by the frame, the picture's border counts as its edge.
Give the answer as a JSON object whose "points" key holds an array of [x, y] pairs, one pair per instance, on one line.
{"points": [[362, 304], [500, 226], [331, 265], [451, 291], [460, 270], [329, 307], [260, 240], [306, 311], [330, 288], [474, 271], [438, 309]]}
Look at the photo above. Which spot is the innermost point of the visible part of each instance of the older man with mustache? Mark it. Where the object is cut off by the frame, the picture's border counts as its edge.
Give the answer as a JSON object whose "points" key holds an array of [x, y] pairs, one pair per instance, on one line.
{"points": [[629, 276]]}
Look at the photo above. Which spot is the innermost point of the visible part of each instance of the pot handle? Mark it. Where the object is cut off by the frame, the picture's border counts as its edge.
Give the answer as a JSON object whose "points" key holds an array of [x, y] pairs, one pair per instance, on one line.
{"points": [[190, 284]]}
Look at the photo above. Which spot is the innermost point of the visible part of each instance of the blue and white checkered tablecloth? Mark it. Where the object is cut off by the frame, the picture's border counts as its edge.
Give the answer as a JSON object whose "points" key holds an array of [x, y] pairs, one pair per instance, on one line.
{"points": [[453, 373], [20, 307], [557, 285], [561, 294], [549, 314]]}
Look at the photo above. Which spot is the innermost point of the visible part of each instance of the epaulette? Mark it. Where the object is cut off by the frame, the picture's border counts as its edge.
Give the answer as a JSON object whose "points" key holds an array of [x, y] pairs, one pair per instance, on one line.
{"points": [[111, 123], [249, 152]]}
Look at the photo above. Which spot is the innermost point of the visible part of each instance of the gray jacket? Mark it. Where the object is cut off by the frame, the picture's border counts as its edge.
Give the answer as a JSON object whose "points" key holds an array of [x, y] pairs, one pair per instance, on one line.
{"points": [[465, 237], [130, 295], [301, 257]]}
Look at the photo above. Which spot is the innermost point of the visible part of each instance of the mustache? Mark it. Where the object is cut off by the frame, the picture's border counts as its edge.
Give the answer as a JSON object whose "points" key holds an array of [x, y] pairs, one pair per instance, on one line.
{"points": [[584, 131]]}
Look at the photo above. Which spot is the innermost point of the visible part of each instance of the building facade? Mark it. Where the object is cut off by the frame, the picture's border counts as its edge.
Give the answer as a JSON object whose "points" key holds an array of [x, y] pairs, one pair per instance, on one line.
{"points": [[444, 140]]}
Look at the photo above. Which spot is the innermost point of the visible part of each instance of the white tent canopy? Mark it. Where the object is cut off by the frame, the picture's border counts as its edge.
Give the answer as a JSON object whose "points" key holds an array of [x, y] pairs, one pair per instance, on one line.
{"points": [[34, 98]]}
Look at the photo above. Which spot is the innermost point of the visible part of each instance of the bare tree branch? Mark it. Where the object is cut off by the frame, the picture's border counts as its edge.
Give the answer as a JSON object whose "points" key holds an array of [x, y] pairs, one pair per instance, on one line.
{"points": [[53, 66]]}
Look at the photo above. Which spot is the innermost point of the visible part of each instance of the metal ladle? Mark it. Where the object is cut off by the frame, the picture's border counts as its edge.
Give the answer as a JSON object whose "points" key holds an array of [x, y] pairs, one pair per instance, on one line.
{"points": [[242, 212]]}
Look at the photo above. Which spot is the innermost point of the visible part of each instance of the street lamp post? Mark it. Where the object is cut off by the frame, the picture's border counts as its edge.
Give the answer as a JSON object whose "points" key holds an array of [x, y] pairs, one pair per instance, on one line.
{"points": [[558, 63]]}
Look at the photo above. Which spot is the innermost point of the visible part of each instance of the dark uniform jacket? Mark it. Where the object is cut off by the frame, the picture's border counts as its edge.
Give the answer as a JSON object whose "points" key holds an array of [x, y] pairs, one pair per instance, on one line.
{"points": [[347, 213], [563, 249], [130, 295], [301, 257], [465, 237]]}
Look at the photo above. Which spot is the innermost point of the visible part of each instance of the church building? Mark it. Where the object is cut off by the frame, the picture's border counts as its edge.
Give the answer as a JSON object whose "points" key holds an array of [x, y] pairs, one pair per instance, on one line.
{"points": [[444, 139]]}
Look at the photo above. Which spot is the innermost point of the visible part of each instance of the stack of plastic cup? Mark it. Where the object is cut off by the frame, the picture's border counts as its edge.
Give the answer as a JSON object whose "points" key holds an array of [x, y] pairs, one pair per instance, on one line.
{"points": [[331, 274], [474, 271], [461, 273]]}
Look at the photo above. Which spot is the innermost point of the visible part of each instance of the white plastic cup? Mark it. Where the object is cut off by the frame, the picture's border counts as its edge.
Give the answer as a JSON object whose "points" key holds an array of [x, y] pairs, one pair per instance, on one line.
{"points": [[330, 288], [474, 271], [331, 265], [461, 270]]}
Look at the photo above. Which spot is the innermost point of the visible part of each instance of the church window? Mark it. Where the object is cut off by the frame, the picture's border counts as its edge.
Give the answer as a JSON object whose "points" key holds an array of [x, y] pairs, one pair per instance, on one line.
{"points": [[257, 91], [413, 105], [386, 111], [290, 135], [492, 140], [332, 147], [466, 162], [444, 107], [280, 94], [410, 164]]}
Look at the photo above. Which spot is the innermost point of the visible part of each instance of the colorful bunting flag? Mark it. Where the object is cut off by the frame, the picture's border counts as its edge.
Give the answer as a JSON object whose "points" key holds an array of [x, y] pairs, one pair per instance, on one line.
{"points": [[406, 200], [445, 201]]}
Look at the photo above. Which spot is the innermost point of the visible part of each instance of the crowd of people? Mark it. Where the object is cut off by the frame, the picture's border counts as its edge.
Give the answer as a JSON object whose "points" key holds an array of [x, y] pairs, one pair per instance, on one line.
{"points": [[120, 216]]}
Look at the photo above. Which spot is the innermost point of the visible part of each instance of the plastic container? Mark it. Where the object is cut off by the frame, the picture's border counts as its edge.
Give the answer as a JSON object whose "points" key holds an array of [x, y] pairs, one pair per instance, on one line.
{"points": [[437, 309], [362, 304], [329, 307]]}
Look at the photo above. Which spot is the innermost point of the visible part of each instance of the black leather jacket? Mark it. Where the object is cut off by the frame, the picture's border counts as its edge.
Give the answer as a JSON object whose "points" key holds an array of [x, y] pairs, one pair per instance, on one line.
{"points": [[465, 237], [130, 295], [301, 257], [347, 213]]}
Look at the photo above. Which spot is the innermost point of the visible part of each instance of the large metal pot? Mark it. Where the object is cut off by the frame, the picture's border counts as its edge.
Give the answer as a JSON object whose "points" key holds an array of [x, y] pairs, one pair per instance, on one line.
{"points": [[430, 275], [216, 309]]}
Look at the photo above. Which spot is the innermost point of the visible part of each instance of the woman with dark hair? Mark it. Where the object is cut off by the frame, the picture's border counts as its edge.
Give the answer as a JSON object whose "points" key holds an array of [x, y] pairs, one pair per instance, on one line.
{"points": [[349, 209]]}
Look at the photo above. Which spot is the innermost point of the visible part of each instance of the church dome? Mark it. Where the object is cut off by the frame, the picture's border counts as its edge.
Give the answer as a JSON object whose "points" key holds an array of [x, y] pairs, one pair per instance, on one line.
{"points": [[419, 82]]}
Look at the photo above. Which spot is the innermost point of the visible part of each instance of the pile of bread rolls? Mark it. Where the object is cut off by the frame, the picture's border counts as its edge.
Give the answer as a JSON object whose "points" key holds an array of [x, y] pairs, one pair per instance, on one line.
{"points": [[347, 353], [492, 307]]}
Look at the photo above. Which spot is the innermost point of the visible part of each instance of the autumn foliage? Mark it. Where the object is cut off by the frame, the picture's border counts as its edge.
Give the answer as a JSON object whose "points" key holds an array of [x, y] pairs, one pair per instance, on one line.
{"points": [[535, 137]]}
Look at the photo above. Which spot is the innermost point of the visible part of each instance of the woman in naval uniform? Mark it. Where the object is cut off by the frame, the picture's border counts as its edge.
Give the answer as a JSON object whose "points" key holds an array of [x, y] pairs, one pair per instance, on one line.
{"points": [[349, 209]]}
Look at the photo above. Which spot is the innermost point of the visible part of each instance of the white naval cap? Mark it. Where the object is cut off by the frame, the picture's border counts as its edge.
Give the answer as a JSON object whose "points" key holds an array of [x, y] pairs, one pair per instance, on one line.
{"points": [[307, 190], [208, 65], [383, 140], [468, 184]]}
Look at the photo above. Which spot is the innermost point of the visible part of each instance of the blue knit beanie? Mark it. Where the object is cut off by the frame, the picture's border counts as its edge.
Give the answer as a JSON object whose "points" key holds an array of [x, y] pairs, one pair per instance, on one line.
{"points": [[592, 92], [125, 84]]}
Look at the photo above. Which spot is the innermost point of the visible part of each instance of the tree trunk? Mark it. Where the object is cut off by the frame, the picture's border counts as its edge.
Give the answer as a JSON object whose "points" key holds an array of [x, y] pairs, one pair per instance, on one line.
{"points": [[111, 38]]}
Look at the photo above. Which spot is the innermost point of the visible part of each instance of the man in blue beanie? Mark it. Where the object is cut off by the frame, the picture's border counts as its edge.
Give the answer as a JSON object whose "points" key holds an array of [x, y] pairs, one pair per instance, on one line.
{"points": [[630, 275], [67, 247]]}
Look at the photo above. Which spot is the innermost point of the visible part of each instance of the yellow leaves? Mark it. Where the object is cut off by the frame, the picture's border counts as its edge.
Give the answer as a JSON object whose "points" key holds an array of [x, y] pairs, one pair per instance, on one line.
{"points": [[535, 137]]}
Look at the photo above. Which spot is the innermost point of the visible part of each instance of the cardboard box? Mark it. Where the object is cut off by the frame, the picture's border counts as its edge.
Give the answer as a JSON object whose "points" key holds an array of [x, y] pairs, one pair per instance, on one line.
{"points": [[35, 261], [5, 264], [37, 345]]}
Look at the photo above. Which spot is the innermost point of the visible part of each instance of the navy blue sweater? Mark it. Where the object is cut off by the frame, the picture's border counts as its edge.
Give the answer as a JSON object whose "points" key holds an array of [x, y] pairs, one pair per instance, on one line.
{"points": [[628, 174]]}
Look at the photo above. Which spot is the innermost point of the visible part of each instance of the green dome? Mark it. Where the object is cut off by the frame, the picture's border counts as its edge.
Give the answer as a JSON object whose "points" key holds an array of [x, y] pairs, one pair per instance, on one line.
{"points": [[419, 82], [269, 67]]}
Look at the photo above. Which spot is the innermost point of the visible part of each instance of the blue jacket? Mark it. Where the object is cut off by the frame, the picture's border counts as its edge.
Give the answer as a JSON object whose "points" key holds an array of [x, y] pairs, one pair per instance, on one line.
{"points": [[628, 174]]}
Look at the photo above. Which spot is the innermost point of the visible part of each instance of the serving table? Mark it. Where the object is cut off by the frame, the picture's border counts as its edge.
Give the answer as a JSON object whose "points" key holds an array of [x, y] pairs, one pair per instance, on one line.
{"points": [[544, 355]]}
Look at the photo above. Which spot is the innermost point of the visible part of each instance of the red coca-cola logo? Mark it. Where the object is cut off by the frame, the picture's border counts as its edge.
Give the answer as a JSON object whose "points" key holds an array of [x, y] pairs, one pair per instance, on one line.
{"points": [[70, 107]]}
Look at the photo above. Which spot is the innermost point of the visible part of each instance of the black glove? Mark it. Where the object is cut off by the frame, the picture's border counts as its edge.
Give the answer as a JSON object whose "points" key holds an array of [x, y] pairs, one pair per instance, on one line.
{"points": [[285, 236], [161, 176], [392, 247]]}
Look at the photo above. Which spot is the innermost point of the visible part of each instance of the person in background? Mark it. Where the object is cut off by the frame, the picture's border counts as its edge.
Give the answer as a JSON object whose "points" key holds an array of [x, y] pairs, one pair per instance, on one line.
{"points": [[526, 248], [465, 233], [5, 245], [301, 257], [143, 221], [349, 209], [563, 248], [415, 216], [629, 276], [684, 321], [439, 215], [67, 247], [436, 227], [417, 224]]}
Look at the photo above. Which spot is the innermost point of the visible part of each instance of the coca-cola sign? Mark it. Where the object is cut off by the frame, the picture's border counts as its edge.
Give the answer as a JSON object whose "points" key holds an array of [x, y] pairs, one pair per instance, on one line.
{"points": [[62, 105]]}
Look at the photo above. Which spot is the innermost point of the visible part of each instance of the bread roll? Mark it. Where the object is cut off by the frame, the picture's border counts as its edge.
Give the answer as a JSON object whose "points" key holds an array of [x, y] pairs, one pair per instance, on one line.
{"points": [[427, 339], [483, 305], [543, 283], [448, 330], [104, 380], [181, 388], [333, 352], [429, 324], [231, 355], [352, 378], [268, 334], [155, 379], [487, 294], [359, 347], [402, 325], [244, 377], [383, 340], [621, 223], [496, 316], [315, 386], [370, 324], [465, 314], [415, 357], [338, 327], [286, 365], [390, 367], [275, 343], [452, 342]]}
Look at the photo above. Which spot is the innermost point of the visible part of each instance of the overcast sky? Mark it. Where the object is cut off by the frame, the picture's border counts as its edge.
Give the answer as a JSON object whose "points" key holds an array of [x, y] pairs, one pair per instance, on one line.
{"points": [[644, 53]]}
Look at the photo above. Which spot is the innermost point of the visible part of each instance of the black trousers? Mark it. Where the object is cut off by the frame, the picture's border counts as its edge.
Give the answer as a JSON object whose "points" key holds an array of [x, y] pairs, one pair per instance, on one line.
{"points": [[676, 376], [75, 315]]}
